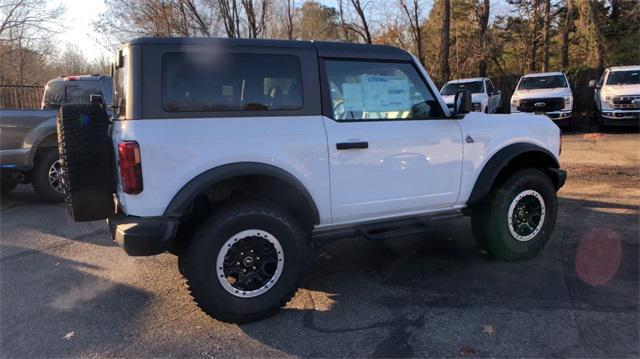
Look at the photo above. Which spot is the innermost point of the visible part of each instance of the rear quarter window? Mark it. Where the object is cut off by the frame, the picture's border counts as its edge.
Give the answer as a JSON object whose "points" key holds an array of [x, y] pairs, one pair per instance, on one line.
{"points": [[198, 82]]}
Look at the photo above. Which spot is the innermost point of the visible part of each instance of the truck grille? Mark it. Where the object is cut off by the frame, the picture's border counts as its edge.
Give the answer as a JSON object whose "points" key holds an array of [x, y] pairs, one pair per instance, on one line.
{"points": [[541, 104], [626, 102]]}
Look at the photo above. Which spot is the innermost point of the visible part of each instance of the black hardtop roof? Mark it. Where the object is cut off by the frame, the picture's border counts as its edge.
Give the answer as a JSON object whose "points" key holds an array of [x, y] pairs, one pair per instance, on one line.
{"points": [[324, 48]]}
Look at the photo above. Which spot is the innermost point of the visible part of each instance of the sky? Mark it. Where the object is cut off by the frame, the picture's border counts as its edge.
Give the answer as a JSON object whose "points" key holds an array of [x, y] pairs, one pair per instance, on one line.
{"points": [[78, 28], [80, 14]]}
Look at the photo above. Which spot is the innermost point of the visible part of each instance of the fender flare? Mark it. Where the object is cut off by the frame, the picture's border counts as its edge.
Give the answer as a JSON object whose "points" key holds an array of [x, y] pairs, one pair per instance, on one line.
{"points": [[500, 160], [185, 196]]}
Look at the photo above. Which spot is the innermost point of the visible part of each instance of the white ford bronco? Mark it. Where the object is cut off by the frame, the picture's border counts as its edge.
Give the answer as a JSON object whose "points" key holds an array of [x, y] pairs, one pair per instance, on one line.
{"points": [[242, 156]]}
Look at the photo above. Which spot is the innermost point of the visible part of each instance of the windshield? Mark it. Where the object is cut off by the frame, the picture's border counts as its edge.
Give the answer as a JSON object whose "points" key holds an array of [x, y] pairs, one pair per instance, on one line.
{"points": [[624, 78], [542, 82], [452, 88]]}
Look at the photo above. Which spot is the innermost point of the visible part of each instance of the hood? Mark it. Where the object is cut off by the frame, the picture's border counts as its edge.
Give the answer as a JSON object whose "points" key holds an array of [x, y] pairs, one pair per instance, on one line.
{"points": [[475, 97], [620, 90], [540, 93]]}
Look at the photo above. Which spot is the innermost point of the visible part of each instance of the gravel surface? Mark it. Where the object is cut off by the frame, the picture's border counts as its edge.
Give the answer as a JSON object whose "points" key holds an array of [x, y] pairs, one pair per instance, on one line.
{"points": [[67, 290]]}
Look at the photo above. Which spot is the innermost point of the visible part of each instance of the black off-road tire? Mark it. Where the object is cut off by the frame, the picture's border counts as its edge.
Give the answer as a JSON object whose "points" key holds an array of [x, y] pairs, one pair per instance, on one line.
{"points": [[198, 263], [6, 186], [40, 176], [490, 220], [86, 152]]}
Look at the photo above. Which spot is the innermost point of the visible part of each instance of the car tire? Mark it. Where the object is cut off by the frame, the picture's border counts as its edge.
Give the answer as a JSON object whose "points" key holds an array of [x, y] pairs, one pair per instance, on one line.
{"points": [[46, 178], [87, 159], [6, 186], [214, 262], [516, 221]]}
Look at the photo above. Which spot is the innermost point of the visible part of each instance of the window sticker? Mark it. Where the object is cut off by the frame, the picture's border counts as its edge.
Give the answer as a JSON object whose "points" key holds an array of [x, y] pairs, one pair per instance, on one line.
{"points": [[352, 96], [386, 93]]}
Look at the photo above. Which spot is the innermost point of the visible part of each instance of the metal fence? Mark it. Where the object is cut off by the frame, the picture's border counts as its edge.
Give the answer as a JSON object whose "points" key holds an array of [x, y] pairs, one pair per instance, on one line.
{"points": [[20, 97]]}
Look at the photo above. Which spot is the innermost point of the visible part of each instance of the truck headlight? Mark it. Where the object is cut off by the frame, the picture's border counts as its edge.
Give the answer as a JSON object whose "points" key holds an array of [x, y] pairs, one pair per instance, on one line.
{"points": [[607, 103], [568, 102], [515, 102]]}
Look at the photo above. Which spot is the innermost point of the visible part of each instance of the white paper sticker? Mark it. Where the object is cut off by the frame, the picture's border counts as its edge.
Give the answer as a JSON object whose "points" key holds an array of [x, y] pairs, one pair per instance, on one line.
{"points": [[352, 95]]}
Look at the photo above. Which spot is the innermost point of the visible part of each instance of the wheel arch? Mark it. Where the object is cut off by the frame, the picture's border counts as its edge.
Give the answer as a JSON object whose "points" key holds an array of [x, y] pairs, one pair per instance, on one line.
{"points": [[239, 175], [510, 158]]}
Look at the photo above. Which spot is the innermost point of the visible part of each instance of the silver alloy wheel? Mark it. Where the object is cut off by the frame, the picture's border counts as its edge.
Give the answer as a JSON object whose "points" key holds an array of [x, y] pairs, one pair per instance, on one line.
{"points": [[250, 263], [55, 176], [526, 215]]}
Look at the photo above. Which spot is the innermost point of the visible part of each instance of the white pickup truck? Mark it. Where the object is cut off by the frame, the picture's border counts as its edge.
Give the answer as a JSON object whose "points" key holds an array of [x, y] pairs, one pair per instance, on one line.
{"points": [[484, 97], [617, 96], [241, 156], [544, 92]]}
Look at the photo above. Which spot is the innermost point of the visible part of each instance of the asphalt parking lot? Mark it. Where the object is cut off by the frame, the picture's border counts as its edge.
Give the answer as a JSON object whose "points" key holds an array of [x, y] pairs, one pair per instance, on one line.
{"points": [[67, 290]]}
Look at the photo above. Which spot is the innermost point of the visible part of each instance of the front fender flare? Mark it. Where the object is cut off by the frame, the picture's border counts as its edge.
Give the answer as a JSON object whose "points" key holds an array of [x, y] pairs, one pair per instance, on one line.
{"points": [[500, 160]]}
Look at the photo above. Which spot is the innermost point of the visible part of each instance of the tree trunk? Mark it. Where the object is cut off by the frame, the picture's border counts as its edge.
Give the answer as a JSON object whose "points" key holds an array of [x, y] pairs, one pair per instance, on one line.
{"points": [[568, 28], [483, 18], [545, 35], [597, 33], [290, 8], [535, 26], [445, 71]]}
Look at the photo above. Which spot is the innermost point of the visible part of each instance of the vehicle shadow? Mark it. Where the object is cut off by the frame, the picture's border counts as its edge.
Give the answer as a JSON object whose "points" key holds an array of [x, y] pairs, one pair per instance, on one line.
{"points": [[23, 209], [433, 296], [59, 309]]}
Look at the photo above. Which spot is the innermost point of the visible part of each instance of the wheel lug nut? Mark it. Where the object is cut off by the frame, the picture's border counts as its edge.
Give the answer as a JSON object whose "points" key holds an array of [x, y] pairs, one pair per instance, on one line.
{"points": [[254, 268], [251, 251]]}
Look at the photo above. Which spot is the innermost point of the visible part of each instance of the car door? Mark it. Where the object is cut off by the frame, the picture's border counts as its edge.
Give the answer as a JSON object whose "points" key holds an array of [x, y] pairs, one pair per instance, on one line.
{"points": [[391, 150], [493, 97]]}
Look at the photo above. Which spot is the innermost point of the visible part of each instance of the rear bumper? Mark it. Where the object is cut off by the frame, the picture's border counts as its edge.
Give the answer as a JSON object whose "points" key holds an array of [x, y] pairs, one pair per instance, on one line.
{"points": [[142, 236]]}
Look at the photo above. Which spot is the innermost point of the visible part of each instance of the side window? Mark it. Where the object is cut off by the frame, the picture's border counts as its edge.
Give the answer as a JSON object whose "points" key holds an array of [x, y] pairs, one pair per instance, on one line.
{"points": [[195, 82], [78, 92], [54, 95], [365, 90]]}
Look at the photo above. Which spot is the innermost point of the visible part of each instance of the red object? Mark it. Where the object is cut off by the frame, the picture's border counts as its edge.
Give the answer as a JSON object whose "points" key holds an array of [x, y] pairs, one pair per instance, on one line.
{"points": [[130, 167], [72, 78], [598, 256]]}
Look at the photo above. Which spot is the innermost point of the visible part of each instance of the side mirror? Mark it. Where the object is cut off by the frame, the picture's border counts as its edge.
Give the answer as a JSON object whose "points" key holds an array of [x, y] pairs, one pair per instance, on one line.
{"points": [[462, 102], [593, 84]]}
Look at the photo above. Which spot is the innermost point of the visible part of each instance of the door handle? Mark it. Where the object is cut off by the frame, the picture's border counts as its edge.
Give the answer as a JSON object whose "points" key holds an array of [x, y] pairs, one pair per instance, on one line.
{"points": [[352, 145]]}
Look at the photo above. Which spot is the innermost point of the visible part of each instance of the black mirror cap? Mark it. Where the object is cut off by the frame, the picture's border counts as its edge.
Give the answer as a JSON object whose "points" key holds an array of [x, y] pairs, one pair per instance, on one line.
{"points": [[462, 102]]}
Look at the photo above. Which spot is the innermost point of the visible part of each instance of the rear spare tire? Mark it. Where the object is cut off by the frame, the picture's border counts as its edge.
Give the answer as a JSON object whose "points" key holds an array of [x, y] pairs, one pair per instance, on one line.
{"points": [[87, 159]]}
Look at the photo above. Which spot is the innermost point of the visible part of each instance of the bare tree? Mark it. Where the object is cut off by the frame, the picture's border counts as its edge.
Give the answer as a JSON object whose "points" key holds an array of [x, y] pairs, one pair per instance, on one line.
{"points": [[363, 28], [414, 15], [256, 15], [445, 71], [230, 16], [346, 35], [482, 13], [545, 35], [290, 6], [568, 28]]}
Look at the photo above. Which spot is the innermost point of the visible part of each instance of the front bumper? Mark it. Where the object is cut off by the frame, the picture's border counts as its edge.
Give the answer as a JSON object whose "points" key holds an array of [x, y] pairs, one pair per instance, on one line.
{"points": [[620, 117], [142, 236], [559, 176]]}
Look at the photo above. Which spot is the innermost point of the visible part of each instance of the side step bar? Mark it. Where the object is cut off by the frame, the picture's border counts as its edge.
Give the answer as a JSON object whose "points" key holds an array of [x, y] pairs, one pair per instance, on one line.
{"points": [[379, 231]]}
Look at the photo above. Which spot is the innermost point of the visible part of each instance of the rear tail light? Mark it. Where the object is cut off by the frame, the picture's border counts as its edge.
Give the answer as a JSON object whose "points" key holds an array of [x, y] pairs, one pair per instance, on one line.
{"points": [[130, 166]]}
